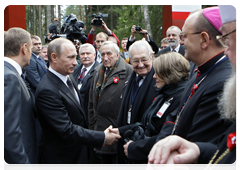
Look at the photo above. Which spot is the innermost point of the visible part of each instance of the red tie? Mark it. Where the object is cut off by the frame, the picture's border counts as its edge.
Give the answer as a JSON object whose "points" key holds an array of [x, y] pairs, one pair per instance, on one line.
{"points": [[82, 75]]}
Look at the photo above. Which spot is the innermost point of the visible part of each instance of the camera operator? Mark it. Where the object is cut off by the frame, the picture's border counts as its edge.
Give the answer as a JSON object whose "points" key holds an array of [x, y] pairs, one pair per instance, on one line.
{"points": [[100, 38], [145, 34]]}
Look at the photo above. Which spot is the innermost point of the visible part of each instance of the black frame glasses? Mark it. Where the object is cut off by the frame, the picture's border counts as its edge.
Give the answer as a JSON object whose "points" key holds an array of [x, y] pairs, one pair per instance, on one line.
{"points": [[222, 38]]}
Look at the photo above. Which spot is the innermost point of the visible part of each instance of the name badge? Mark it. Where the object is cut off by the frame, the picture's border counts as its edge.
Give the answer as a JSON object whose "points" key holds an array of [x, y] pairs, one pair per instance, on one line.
{"points": [[79, 86], [163, 109], [129, 115]]}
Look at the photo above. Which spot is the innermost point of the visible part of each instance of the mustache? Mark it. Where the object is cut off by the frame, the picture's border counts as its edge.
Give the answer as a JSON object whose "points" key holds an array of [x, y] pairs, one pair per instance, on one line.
{"points": [[86, 59]]}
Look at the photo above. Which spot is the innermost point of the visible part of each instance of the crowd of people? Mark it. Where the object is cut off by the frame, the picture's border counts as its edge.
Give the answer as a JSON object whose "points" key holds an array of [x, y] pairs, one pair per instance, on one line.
{"points": [[72, 103]]}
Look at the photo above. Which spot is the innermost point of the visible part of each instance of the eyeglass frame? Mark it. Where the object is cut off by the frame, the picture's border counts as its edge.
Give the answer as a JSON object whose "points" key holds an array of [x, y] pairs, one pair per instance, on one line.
{"points": [[185, 34], [219, 37], [136, 62]]}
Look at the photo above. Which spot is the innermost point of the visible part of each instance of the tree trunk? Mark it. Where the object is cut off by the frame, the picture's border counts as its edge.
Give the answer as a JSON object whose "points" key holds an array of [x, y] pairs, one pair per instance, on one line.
{"points": [[40, 20], [48, 15], [59, 17], [146, 19], [34, 18], [80, 11], [86, 18], [111, 17]]}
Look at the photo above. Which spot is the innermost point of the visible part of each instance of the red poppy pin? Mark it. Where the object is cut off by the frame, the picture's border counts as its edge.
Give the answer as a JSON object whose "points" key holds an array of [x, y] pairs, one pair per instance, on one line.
{"points": [[231, 141], [116, 80]]}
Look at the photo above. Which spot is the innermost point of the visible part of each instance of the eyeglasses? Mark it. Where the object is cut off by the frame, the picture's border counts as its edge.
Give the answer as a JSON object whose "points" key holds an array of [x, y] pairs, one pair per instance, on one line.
{"points": [[136, 62], [184, 35], [222, 38]]}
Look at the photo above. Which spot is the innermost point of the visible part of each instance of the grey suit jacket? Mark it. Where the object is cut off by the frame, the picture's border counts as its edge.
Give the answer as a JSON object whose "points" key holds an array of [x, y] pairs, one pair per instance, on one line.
{"points": [[34, 72], [19, 128]]}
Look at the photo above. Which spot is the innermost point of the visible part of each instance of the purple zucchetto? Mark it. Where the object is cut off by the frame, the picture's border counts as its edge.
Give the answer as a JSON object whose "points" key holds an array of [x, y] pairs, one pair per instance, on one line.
{"points": [[213, 16], [228, 13]]}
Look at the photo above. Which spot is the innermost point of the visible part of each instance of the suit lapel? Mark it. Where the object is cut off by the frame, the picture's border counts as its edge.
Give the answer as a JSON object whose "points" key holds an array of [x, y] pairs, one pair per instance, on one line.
{"points": [[63, 88], [39, 62]]}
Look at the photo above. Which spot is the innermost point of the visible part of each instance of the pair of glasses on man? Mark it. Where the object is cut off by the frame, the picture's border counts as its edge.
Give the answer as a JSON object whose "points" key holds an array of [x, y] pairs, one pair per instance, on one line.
{"points": [[221, 38]]}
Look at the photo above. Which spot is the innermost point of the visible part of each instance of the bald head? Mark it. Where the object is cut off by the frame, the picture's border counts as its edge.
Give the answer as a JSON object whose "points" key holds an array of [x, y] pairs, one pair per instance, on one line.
{"points": [[56, 46]]}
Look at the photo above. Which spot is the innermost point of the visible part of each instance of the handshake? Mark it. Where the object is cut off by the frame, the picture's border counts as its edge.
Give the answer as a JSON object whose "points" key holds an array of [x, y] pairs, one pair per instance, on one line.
{"points": [[111, 136]]}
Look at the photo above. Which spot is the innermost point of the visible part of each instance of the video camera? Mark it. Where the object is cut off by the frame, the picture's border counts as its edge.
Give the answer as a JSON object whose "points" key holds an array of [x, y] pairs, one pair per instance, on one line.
{"points": [[98, 19], [71, 29]]}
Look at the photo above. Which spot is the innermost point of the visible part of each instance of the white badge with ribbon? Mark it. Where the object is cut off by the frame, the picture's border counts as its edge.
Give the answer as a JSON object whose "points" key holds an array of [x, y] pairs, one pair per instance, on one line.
{"points": [[163, 109]]}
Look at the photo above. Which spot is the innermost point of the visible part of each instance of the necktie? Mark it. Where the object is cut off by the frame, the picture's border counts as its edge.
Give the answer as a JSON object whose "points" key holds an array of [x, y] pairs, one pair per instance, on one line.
{"points": [[107, 70], [23, 77], [43, 64], [135, 83], [70, 86], [82, 75], [174, 51]]}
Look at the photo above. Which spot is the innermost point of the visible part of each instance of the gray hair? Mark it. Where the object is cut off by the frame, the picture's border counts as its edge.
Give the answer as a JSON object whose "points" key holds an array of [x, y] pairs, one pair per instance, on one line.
{"points": [[139, 44], [116, 48], [14, 38], [87, 45], [172, 27]]}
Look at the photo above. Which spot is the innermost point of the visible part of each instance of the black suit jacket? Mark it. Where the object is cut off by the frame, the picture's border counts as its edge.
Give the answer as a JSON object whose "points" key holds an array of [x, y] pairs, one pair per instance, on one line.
{"points": [[86, 83], [200, 120], [63, 121], [20, 145], [168, 49]]}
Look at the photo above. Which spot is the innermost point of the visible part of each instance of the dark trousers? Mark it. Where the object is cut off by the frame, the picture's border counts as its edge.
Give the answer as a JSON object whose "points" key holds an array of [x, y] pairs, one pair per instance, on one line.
{"points": [[104, 158]]}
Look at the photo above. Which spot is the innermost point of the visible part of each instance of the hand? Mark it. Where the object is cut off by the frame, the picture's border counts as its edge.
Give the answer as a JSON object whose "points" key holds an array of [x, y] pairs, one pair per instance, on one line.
{"points": [[126, 147], [145, 34], [114, 130], [181, 151], [133, 31], [93, 27], [110, 138], [104, 27]]}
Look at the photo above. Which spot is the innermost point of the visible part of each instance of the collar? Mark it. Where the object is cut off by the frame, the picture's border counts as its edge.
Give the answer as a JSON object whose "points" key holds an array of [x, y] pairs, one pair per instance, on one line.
{"points": [[14, 64], [176, 49], [35, 55], [208, 64], [62, 77]]}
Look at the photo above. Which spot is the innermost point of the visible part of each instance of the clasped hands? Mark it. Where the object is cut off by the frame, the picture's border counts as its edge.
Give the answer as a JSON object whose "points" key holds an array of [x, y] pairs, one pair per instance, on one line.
{"points": [[116, 132], [111, 136]]}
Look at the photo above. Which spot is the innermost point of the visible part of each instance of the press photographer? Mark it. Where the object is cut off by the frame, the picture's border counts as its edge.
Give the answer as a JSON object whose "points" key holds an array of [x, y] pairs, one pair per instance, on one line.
{"points": [[71, 29]]}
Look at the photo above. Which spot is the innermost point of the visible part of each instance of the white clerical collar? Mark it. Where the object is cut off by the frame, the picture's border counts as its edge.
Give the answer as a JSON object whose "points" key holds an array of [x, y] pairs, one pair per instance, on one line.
{"points": [[14, 64], [176, 49], [62, 77]]}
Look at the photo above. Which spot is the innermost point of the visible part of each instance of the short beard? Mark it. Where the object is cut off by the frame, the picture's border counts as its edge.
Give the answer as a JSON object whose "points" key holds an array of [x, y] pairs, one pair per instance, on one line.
{"points": [[172, 44], [227, 100]]}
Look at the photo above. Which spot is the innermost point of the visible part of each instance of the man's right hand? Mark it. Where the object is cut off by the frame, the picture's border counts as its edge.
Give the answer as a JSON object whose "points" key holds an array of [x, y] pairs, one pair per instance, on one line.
{"points": [[110, 137]]}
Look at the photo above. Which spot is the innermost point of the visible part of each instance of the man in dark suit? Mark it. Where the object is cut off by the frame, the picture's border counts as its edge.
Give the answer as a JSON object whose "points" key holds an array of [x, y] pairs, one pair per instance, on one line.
{"points": [[64, 137], [83, 73], [37, 68], [20, 145], [173, 38], [135, 102]]}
